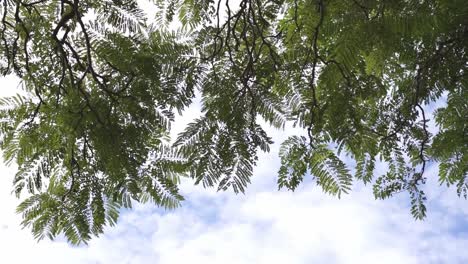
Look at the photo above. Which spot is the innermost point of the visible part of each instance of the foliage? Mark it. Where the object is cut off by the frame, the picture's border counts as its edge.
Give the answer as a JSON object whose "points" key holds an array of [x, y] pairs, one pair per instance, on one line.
{"points": [[103, 85]]}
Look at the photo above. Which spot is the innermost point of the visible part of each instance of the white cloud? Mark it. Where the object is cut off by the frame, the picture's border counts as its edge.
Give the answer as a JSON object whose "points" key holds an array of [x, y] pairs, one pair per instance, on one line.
{"points": [[9, 85], [264, 226]]}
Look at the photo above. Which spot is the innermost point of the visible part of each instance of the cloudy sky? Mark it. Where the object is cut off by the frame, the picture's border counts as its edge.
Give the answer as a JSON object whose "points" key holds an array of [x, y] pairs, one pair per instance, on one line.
{"points": [[262, 226]]}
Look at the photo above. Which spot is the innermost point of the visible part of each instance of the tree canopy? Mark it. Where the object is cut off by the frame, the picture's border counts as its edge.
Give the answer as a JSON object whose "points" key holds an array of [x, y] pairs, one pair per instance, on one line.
{"points": [[102, 84]]}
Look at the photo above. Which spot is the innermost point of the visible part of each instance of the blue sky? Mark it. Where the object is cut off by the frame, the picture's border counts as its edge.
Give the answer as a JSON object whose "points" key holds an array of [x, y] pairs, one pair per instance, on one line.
{"points": [[264, 226]]}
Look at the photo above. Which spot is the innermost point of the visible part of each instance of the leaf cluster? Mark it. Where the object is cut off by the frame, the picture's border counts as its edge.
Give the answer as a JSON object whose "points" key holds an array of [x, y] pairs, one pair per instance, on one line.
{"points": [[103, 85]]}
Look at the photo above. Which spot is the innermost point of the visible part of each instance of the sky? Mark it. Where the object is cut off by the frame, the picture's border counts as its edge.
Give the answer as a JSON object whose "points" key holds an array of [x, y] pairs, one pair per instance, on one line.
{"points": [[263, 226]]}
